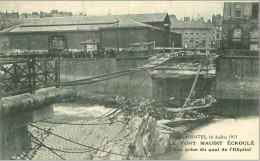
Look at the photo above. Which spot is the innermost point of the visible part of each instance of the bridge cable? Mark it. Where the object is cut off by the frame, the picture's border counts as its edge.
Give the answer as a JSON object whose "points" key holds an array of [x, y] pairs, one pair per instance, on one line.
{"points": [[96, 124], [93, 149], [103, 145], [66, 151], [45, 145], [132, 92], [79, 124], [138, 86]]}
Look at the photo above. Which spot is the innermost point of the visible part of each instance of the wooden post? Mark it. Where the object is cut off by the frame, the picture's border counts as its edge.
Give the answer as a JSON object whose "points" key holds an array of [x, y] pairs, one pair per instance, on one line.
{"points": [[207, 62], [16, 77], [0, 84], [33, 75], [173, 47], [29, 64], [45, 72], [57, 70]]}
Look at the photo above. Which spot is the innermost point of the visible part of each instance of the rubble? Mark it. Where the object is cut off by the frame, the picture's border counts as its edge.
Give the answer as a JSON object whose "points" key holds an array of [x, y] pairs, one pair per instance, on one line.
{"points": [[202, 102], [139, 138], [142, 140], [100, 98], [141, 107], [133, 133]]}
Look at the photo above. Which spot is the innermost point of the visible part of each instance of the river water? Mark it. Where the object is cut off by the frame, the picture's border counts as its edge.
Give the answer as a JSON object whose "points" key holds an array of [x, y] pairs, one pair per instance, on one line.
{"points": [[241, 129]]}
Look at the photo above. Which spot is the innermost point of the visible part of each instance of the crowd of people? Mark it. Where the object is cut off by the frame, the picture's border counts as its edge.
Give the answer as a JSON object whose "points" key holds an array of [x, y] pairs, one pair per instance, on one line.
{"points": [[93, 54], [78, 54]]}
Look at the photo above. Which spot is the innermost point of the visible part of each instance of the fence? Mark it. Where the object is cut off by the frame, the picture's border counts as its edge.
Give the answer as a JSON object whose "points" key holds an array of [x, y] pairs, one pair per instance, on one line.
{"points": [[24, 73]]}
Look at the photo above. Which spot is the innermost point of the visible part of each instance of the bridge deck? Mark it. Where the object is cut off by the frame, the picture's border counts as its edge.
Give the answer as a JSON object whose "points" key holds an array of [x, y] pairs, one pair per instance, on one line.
{"points": [[25, 102]]}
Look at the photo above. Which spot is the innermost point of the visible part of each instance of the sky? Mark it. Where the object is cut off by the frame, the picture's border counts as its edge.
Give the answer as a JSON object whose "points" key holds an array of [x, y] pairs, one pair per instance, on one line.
{"points": [[180, 9]]}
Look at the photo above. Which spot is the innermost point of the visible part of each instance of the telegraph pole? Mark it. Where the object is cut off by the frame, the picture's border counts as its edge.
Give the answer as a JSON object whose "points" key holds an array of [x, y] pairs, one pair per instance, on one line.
{"points": [[83, 9], [117, 42]]}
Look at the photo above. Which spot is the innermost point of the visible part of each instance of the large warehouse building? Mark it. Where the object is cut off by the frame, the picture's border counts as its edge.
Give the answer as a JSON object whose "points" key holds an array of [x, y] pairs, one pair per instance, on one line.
{"points": [[111, 31]]}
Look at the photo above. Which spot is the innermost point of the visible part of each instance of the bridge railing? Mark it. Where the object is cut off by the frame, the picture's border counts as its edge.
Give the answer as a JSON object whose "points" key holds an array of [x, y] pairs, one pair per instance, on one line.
{"points": [[28, 72]]}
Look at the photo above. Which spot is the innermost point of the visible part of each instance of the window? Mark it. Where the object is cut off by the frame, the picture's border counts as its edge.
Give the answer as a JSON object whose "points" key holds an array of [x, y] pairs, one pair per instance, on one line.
{"points": [[204, 35], [186, 36], [191, 35], [237, 34], [238, 11], [197, 35], [255, 10], [254, 35], [185, 44]]}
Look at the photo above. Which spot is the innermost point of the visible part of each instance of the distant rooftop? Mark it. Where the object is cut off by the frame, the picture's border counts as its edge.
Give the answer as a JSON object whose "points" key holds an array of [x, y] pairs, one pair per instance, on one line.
{"points": [[152, 17], [129, 24], [178, 24], [77, 27]]}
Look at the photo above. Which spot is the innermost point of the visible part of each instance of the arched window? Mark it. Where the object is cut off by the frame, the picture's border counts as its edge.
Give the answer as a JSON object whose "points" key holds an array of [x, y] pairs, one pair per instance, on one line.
{"points": [[254, 35], [238, 11], [57, 42], [237, 34], [5, 43]]}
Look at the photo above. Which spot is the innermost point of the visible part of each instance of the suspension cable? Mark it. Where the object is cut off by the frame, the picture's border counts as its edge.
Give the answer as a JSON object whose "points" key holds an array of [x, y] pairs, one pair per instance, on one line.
{"points": [[61, 137], [67, 123], [45, 146]]}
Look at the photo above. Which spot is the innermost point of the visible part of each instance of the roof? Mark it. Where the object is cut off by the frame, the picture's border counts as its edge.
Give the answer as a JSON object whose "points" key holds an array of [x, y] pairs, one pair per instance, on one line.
{"points": [[82, 23], [152, 17], [8, 29], [175, 32], [178, 24], [23, 29], [74, 27], [141, 43], [14, 22], [130, 24]]}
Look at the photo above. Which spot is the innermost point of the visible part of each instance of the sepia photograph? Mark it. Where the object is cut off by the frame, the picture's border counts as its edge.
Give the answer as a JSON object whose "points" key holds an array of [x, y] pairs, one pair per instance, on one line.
{"points": [[129, 80]]}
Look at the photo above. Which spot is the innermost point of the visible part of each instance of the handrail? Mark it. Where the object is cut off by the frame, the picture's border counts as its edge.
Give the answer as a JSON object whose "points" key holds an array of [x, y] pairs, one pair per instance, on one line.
{"points": [[28, 74], [21, 55]]}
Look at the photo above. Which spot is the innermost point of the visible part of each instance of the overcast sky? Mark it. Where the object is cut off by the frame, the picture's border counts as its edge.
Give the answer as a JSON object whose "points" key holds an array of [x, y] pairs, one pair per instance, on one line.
{"points": [[206, 9]]}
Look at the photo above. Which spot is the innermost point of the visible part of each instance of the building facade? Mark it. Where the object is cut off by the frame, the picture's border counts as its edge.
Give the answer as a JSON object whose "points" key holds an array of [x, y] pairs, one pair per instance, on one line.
{"points": [[113, 32], [195, 34], [216, 31], [240, 25]]}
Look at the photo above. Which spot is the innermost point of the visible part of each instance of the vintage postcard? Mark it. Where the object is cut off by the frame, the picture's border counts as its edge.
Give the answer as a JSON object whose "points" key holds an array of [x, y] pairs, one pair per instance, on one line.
{"points": [[129, 80]]}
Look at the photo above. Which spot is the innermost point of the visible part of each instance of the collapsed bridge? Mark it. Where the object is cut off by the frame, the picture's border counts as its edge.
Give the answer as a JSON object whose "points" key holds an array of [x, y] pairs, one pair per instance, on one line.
{"points": [[29, 73]]}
